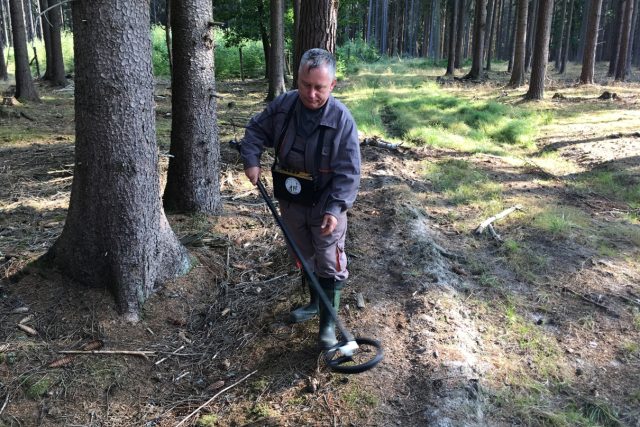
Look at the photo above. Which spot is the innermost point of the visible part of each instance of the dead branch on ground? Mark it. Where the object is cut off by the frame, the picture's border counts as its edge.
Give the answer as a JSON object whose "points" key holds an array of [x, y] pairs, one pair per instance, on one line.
{"points": [[488, 222]]}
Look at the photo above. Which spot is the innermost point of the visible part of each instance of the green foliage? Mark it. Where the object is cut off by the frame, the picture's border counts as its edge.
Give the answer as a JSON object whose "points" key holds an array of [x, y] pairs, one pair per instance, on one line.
{"points": [[160, 56], [351, 54], [37, 387], [209, 420]]}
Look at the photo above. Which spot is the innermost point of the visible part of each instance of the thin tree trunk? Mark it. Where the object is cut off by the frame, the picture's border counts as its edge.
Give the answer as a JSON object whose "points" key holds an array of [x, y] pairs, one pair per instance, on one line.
{"points": [[589, 58], [567, 42], [46, 36], [492, 30], [167, 38], [57, 68], [517, 73], [459, 34], [541, 48], [561, 38], [276, 53], [453, 30], [625, 33], [192, 179], [25, 88], [615, 39], [584, 27], [478, 40], [531, 30]]}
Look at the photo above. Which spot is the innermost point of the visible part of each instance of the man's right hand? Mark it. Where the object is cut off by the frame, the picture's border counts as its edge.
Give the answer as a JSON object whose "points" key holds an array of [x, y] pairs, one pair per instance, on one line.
{"points": [[253, 173]]}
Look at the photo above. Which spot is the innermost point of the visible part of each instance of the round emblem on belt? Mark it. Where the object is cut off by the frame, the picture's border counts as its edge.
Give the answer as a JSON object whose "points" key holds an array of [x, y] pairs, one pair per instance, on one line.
{"points": [[293, 186]]}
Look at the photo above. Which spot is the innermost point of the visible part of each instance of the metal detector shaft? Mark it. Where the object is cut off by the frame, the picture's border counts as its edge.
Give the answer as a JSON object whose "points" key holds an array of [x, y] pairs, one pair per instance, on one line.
{"points": [[314, 281]]}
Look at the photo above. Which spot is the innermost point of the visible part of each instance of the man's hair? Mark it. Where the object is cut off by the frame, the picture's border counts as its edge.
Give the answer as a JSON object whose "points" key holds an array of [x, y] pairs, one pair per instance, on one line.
{"points": [[314, 58]]}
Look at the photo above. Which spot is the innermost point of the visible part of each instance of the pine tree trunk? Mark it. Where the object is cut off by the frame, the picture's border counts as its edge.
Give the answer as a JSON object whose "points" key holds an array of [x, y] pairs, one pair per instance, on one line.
{"points": [[567, 41], [57, 67], [192, 181], [625, 33], [589, 58], [25, 88], [276, 53], [318, 23], [615, 39], [479, 24], [517, 72], [584, 28], [531, 33], [541, 50], [167, 37], [453, 30], [561, 38], [116, 235], [46, 36], [459, 34]]}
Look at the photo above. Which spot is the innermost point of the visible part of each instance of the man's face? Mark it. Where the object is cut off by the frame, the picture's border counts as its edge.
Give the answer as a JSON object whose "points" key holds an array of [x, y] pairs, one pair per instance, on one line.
{"points": [[314, 86]]}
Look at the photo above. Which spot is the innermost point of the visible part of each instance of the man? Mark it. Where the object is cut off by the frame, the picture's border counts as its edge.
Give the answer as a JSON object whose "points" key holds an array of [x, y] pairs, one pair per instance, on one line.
{"points": [[316, 176]]}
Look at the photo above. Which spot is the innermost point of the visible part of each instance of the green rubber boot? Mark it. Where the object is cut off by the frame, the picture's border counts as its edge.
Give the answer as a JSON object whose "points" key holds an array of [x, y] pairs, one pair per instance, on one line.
{"points": [[327, 333], [309, 311]]}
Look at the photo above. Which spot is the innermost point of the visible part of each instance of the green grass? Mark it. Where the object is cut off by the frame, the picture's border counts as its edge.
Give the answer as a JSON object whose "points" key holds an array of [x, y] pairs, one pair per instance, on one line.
{"points": [[400, 100], [620, 185], [462, 183], [560, 221]]}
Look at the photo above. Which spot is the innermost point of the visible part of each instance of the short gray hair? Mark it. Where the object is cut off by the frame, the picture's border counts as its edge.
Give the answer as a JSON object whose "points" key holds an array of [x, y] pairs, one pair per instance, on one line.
{"points": [[314, 58]]}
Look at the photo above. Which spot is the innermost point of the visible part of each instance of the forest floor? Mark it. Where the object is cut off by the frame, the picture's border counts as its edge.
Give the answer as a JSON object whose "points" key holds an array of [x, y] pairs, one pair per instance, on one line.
{"points": [[536, 329]]}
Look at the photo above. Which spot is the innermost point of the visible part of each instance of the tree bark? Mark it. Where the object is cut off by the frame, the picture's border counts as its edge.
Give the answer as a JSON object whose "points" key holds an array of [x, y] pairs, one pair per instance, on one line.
{"points": [[541, 50], [558, 54], [318, 22], [479, 24], [57, 67], [625, 33], [613, 44], [116, 235], [276, 52], [459, 34], [531, 34], [193, 178], [591, 37], [46, 36], [567, 42], [453, 31], [25, 88], [517, 72]]}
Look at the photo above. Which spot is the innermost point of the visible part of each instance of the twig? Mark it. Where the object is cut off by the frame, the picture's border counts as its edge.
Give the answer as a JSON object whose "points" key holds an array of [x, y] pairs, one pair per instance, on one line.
{"points": [[126, 352], [496, 217], [4, 405], [212, 399], [165, 358], [597, 304], [29, 330], [493, 233]]}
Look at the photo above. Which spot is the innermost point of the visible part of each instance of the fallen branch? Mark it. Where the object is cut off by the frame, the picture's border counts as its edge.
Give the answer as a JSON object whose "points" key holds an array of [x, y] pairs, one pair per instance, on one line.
{"points": [[29, 330], [212, 399], [589, 300], [125, 352], [376, 141], [496, 217]]}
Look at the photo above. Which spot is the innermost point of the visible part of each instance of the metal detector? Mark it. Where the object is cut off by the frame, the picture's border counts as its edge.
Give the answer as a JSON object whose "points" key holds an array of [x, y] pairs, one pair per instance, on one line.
{"points": [[351, 355]]}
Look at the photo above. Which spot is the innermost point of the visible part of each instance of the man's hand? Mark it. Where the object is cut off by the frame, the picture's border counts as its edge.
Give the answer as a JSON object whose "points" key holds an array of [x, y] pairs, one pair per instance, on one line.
{"points": [[329, 223], [253, 173]]}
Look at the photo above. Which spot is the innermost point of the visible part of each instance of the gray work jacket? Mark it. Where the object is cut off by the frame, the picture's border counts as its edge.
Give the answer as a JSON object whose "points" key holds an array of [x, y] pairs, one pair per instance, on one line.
{"points": [[338, 171]]}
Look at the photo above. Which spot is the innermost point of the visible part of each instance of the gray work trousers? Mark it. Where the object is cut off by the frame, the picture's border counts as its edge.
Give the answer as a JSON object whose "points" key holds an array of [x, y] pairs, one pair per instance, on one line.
{"points": [[325, 254]]}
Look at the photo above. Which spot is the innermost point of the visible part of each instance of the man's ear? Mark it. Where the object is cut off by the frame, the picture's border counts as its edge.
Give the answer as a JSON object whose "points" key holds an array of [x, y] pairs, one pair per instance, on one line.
{"points": [[333, 84]]}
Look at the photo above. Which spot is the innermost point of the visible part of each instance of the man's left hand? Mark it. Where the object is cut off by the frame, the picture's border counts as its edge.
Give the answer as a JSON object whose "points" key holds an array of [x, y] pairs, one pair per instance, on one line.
{"points": [[329, 223]]}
